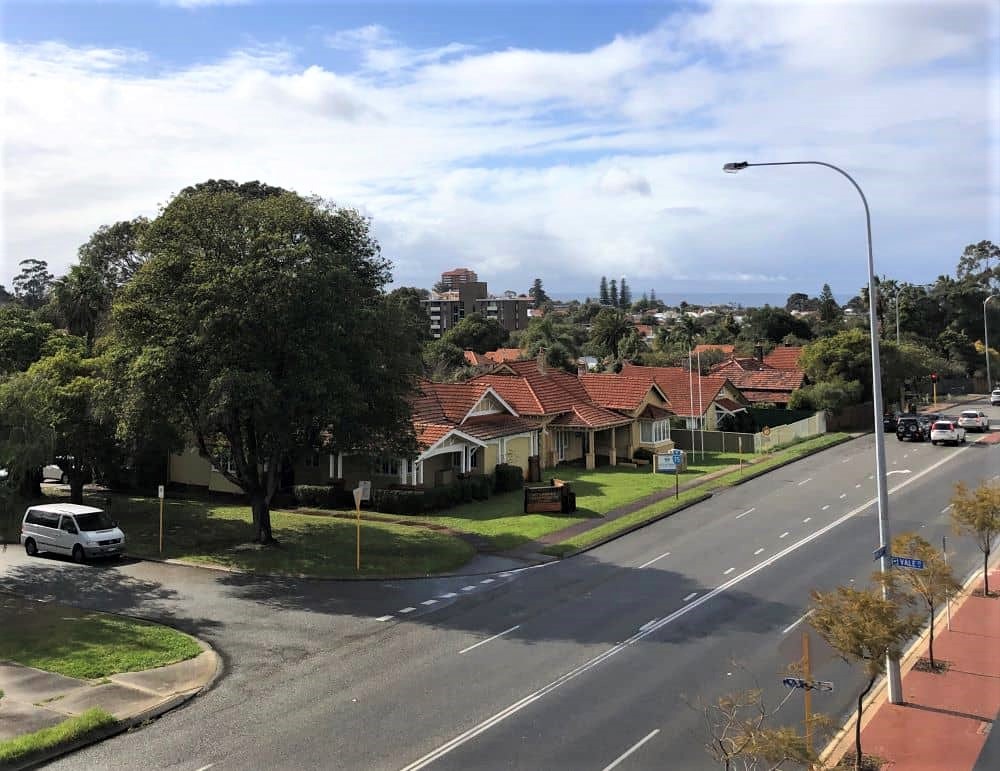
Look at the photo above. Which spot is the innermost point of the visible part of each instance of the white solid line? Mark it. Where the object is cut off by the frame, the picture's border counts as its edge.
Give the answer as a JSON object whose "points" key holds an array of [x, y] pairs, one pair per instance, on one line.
{"points": [[740, 516], [407, 610], [429, 602], [906, 455], [826, 507], [447, 596], [483, 642], [384, 618], [468, 588], [647, 564], [648, 624], [486, 581], [783, 534], [946, 509], [758, 551], [505, 574], [690, 596], [806, 520], [727, 572], [797, 621], [531, 698], [632, 749], [808, 479]]}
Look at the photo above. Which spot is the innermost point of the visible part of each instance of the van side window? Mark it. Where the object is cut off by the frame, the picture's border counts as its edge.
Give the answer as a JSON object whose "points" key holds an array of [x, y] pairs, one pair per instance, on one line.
{"points": [[47, 519]]}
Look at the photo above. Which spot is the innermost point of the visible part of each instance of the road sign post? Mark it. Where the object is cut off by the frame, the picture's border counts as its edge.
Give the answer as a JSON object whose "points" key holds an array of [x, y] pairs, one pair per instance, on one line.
{"points": [[159, 493], [358, 493], [879, 553], [739, 443], [807, 696]]}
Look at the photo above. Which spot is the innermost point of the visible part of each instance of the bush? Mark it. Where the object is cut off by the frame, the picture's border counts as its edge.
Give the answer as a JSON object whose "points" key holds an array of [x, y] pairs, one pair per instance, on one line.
{"points": [[320, 496], [508, 477], [643, 454], [399, 501]]}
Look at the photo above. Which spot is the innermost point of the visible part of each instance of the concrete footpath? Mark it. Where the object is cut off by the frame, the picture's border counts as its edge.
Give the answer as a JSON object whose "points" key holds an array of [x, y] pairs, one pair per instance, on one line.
{"points": [[34, 699], [947, 717]]}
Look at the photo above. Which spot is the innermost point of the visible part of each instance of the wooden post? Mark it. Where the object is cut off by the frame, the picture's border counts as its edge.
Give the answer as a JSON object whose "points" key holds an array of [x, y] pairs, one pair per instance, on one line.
{"points": [[807, 675], [357, 508], [740, 445], [677, 482]]}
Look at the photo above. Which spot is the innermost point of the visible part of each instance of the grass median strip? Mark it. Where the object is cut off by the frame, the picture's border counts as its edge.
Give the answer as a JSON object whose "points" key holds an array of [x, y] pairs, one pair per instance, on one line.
{"points": [[62, 733]]}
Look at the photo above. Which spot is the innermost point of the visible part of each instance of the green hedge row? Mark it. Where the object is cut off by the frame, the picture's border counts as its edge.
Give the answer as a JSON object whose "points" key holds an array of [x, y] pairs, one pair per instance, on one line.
{"points": [[471, 488], [323, 496], [508, 478]]}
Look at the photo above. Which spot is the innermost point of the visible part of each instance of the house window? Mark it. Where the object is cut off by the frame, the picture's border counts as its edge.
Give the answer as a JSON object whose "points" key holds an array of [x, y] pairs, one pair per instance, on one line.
{"points": [[389, 466], [311, 460], [654, 431], [474, 458], [562, 445]]}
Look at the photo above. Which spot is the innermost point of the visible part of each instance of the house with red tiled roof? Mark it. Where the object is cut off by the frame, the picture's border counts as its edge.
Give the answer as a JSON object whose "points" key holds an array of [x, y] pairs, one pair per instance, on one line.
{"points": [[724, 348], [693, 397], [762, 380], [583, 416], [490, 358], [785, 357]]}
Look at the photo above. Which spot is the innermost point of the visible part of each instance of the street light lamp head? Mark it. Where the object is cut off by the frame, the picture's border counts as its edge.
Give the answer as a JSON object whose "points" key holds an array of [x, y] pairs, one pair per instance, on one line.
{"points": [[732, 168]]}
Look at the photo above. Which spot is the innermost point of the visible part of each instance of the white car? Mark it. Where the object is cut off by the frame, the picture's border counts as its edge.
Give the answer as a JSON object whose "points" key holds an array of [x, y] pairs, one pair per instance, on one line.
{"points": [[995, 398], [947, 431], [974, 420], [52, 471], [71, 529]]}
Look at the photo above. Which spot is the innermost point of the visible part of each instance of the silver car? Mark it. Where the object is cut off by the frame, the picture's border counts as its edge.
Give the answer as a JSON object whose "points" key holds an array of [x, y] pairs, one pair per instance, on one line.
{"points": [[974, 420]]}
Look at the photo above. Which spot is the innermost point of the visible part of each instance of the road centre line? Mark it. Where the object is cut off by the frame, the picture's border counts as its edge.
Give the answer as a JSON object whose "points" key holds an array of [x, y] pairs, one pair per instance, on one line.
{"points": [[384, 618], [783, 534], [488, 639], [531, 698], [407, 610], [648, 624], [758, 551], [857, 485], [740, 516], [797, 621], [690, 597], [808, 479], [486, 581], [843, 495], [647, 564], [727, 572], [806, 520], [468, 588], [632, 749], [429, 602], [946, 509], [205, 768], [826, 507], [447, 596]]}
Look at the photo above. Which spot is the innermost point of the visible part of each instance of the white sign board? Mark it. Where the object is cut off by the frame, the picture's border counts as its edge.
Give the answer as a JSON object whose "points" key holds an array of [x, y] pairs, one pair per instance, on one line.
{"points": [[159, 492], [365, 487], [665, 463]]}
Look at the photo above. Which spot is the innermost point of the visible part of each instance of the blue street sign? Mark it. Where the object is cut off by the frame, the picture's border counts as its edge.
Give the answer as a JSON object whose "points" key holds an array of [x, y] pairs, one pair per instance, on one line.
{"points": [[908, 562], [794, 682], [678, 457], [878, 554]]}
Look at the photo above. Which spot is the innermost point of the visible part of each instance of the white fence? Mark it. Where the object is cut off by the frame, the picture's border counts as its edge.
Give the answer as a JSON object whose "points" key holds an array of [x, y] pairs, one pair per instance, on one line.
{"points": [[802, 429]]}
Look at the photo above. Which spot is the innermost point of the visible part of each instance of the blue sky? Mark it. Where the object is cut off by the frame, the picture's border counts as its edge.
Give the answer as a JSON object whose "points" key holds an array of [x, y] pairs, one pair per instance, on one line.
{"points": [[523, 139]]}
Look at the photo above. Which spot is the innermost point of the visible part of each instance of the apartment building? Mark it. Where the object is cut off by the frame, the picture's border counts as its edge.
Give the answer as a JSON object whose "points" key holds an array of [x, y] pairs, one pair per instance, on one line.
{"points": [[468, 295]]}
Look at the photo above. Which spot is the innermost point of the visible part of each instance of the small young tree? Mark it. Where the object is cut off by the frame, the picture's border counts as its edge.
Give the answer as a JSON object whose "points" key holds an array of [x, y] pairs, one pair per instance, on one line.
{"points": [[977, 513], [862, 627], [931, 586]]}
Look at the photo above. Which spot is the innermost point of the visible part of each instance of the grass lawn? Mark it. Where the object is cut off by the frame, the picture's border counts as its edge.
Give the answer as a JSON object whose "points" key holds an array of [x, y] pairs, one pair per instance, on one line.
{"points": [[219, 533], [21, 746], [84, 644]]}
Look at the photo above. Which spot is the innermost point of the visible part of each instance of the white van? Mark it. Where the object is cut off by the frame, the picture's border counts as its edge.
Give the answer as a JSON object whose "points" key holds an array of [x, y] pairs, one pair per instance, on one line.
{"points": [[68, 528]]}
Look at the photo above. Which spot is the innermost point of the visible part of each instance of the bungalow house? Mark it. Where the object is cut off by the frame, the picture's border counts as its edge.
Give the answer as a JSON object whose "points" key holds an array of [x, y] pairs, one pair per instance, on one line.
{"points": [[692, 397], [490, 358], [583, 416], [785, 357], [762, 381]]}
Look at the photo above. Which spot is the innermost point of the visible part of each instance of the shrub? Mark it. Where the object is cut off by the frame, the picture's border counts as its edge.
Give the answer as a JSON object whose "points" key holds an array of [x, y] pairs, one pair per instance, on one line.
{"points": [[399, 501], [318, 496], [643, 454], [508, 477]]}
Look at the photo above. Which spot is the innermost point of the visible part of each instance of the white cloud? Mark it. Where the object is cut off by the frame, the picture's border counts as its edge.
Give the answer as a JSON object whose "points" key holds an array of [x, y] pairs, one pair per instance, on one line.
{"points": [[562, 164]]}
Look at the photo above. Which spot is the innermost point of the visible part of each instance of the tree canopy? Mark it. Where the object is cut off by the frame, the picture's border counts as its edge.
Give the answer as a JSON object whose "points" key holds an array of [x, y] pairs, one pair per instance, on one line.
{"points": [[477, 333]]}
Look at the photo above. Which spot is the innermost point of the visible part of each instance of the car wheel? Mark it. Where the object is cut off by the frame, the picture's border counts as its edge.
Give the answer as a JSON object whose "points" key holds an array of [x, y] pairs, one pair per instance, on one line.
{"points": [[933, 442], [78, 555], [899, 438], [30, 548]]}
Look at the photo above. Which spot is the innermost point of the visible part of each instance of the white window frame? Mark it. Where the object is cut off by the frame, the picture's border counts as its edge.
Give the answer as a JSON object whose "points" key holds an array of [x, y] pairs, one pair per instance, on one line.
{"points": [[389, 466], [654, 431]]}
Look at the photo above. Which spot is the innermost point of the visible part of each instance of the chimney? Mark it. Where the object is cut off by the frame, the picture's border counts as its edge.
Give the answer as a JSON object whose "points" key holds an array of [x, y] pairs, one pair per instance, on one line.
{"points": [[540, 361], [581, 368], [758, 351]]}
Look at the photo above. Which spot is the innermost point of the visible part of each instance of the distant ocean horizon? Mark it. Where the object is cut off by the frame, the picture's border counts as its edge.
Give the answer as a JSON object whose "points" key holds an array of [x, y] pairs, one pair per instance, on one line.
{"points": [[722, 297]]}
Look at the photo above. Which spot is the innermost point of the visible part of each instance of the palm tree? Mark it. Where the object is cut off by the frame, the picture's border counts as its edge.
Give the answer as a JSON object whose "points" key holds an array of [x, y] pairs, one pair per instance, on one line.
{"points": [[609, 329], [82, 302]]}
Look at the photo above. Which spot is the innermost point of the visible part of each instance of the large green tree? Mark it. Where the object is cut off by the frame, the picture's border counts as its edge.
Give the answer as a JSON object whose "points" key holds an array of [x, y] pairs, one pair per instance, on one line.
{"points": [[33, 283], [115, 251], [260, 322], [773, 325], [477, 333], [537, 293], [557, 336], [22, 335], [608, 332]]}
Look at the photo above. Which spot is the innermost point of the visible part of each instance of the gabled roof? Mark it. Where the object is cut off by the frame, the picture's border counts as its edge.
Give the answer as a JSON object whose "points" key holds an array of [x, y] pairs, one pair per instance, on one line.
{"points": [[736, 366], [451, 402], [532, 393], [501, 355], [784, 357], [440, 409], [617, 392], [685, 391], [590, 416], [475, 359], [775, 397], [769, 380]]}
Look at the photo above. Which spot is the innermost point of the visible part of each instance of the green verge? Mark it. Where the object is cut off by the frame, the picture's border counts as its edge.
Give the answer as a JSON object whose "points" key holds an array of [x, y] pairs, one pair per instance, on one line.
{"points": [[62, 733], [669, 505], [83, 644]]}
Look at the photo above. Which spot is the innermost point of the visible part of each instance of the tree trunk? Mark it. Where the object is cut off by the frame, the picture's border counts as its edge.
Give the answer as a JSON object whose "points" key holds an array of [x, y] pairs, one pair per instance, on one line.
{"points": [[261, 519], [30, 485], [930, 641], [986, 573], [76, 488], [857, 726]]}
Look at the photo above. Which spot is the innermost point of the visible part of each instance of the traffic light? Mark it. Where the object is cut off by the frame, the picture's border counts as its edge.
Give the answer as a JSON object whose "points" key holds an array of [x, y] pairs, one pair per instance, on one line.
{"points": [[934, 377]]}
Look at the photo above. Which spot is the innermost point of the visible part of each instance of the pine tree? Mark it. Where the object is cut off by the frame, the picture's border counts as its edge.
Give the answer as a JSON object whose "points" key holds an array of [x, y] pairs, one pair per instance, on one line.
{"points": [[829, 308], [605, 297], [538, 294], [625, 295], [652, 295], [613, 294]]}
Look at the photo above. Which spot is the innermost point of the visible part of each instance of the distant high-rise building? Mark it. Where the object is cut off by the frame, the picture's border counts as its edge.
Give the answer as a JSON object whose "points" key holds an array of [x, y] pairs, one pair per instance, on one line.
{"points": [[457, 276], [464, 294]]}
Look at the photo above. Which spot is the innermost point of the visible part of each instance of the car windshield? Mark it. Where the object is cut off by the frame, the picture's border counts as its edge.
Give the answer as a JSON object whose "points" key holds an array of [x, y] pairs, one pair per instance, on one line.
{"points": [[96, 520], [970, 414]]}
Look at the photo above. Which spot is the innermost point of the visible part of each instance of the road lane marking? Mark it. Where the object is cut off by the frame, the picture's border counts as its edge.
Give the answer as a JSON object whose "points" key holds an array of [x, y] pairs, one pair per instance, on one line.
{"points": [[843, 495], [205, 768], [727, 572], [758, 551], [807, 479], [783, 534], [857, 486], [797, 621], [632, 749], [690, 597], [407, 610], [488, 639], [806, 520], [740, 516], [505, 574], [845, 460], [468, 588], [384, 618], [429, 602], [946, 509], [647, 564], [447, 596], [871, 476], [486, 581], [898, 471], [826, 507], [648, 624], [498, 717], [906, 455]]}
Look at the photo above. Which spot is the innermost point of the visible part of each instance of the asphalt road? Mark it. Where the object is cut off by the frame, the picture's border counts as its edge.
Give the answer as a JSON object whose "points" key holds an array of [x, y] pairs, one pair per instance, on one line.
{"points": [[571, 665]]}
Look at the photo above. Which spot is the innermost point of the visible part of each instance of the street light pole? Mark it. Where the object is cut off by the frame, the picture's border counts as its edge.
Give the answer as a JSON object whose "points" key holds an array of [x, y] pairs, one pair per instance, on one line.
{"points": [[986, 344], [891, 665]]}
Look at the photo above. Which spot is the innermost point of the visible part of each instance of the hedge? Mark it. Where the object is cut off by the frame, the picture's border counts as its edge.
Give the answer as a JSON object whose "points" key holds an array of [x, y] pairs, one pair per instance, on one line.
{"points": [[395, 501], [323, 496], [508, 477]]}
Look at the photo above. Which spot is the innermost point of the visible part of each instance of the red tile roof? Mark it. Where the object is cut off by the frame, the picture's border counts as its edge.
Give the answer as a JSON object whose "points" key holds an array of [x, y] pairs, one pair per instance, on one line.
{"points": [[429, 433], [682, 391], [776, 397], [439, 408], [616, 392], [501, 355], [769, 380], [475, 359], [590, 416], [492, 426], [730, 405], [703, 347], [784, 357], [736, 366]]}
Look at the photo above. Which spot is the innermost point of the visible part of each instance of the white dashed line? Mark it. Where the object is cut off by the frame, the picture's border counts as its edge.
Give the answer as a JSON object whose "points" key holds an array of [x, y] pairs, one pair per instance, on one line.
{"points": [[906, 455], [505, 575], [648, 624], [447, 596], [795, 623], [826, 507], [614, 763], [483, 642], [783, 534], [647, 564], [205, 768], [846, 460], [727, 572], [857, 485], [946, 509], [843, 495], [871, 476], [429, 602], [758, 551], [806, 520], [486, 581], [407, 610], [809, 479], [384, 618], [468, 588], [740, 516], [690, 597]]}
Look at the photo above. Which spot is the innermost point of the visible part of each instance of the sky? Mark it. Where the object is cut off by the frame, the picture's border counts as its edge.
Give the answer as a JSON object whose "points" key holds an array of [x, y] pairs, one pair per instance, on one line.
{"points": [[558, 140]]}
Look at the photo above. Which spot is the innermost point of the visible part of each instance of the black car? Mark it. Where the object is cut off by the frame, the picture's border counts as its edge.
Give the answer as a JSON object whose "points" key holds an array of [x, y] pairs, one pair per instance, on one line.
{"points": [[889, 421], [916, 428]]}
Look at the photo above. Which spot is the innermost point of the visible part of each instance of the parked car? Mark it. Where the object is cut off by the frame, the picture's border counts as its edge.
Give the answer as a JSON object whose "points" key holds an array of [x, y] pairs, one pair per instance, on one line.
{"points": [[52, 471], [974, 420], [995, 397], [947, 431], [889, 421], [916, 428], [69, 528]]}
